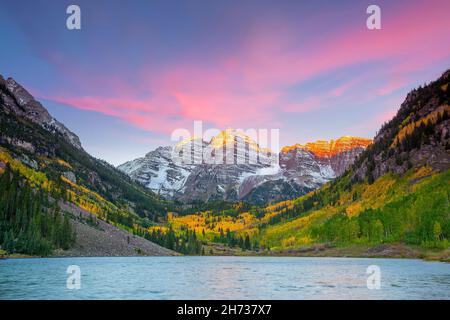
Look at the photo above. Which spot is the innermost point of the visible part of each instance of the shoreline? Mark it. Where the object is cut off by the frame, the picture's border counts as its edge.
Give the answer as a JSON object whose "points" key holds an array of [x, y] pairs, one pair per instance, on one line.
{"points": [[391, 251]]}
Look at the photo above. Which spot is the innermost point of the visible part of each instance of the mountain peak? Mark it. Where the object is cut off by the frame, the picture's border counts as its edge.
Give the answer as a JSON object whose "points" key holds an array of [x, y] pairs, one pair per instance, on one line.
{"points": [[229, 137], [189, 141], [22, 103]]}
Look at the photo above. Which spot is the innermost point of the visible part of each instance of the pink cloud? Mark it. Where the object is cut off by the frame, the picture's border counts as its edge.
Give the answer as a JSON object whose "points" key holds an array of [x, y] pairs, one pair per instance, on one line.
{"points": [[139, 113], [340, 90], [250, 86], [393, 85], [307, 105], [224, 110]]}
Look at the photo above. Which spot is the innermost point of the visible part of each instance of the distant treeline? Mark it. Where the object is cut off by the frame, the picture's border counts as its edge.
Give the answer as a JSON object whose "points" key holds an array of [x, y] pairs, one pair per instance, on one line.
{"points": [[232, 240], [184, 242]]}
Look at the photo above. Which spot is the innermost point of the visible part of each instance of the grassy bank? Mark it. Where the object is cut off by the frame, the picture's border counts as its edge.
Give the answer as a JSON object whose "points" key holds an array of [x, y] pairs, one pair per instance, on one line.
{"points": [[396, 250]]}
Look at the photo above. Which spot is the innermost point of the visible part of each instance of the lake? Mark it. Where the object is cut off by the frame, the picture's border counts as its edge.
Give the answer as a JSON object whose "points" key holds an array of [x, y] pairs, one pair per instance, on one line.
{"points": [[224, 278]]}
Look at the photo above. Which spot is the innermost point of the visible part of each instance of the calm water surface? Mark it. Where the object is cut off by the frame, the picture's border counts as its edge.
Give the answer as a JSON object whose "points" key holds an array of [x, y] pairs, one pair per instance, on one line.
{"points": [[223, 278]]}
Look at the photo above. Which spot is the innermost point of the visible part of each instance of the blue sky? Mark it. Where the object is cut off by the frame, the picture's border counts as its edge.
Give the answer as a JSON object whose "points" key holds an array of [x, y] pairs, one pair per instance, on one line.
{"points": [[137, 70]]}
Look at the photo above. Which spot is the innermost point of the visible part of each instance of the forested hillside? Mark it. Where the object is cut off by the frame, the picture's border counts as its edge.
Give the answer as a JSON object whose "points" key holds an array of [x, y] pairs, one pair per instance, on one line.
{"points": [[42, 165], [396, 192], [29, 221]]}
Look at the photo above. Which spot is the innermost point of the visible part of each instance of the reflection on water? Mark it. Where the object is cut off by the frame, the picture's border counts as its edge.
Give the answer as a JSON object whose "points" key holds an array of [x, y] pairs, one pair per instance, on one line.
{"points": [[223, 278]]}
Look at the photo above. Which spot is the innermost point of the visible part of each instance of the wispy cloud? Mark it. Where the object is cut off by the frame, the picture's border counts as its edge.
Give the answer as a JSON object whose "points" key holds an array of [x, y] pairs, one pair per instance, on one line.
{"points": [[252, 83]]}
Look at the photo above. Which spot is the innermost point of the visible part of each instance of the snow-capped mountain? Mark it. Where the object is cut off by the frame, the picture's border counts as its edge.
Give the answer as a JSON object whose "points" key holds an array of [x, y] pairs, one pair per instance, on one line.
{"points": [[197, 170], [304, 168], [232, 166], [158, 172]]}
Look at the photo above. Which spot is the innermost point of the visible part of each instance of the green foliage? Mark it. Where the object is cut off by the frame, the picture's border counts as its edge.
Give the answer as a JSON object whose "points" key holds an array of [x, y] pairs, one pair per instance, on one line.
{"points": [[28, 222], [421, 217], [94, 174], [327, 195], [185, 242], [232, 240]]}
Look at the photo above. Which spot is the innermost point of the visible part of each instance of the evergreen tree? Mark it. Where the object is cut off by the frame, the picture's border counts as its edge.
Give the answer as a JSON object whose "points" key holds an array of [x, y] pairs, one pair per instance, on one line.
{"points": [[27, 224]]}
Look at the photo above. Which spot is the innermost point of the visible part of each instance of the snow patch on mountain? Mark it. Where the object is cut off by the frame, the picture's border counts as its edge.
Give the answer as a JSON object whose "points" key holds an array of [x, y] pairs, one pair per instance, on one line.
{"points": [[298, 169]]}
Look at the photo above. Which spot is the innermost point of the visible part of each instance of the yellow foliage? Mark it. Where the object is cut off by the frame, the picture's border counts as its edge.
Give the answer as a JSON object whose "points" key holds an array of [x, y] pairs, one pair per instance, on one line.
{"points": [[375, 194], [353, 209], [63, 163], [163, 229], [409, 128], [299, 228], [84, 190], [289, 242], [35, 178], [212, 224], [279, 205], [421, 173]]}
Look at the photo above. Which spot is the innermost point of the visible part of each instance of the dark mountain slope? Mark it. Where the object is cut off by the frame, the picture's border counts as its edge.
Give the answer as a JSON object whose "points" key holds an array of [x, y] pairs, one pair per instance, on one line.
{"points": [[28, 131], [43, 166], [418, 135]]}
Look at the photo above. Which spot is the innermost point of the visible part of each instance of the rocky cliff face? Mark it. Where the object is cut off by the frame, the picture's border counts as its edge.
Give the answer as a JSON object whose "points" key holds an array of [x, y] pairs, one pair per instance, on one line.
{"points": [[304, 168], [300, 169], [158, 172], [332, 157], [19, 101], [418, 135]]}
